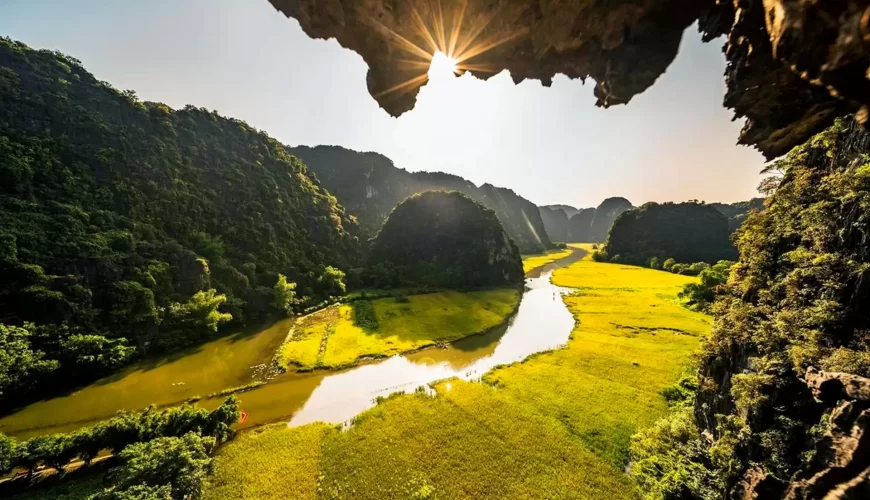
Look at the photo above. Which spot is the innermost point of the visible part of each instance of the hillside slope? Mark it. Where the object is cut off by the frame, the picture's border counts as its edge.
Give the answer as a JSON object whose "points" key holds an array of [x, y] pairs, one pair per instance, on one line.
{"points": [[369, 186], [129, 224], [446, 239]]}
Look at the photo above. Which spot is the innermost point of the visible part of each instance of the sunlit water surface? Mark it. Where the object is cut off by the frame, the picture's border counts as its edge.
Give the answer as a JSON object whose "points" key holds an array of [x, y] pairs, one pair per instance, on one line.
{"points": [[542, 322]]}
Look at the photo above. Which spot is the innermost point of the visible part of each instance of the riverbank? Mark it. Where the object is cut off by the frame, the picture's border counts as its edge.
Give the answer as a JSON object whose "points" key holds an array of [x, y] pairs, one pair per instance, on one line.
{"points": [[341, 336], [535, 261], [556, 425]]}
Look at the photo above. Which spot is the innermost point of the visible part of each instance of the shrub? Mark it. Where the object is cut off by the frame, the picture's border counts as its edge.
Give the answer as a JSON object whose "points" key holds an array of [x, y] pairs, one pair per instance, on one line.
{"points": [[180, 464], [364, 315]]}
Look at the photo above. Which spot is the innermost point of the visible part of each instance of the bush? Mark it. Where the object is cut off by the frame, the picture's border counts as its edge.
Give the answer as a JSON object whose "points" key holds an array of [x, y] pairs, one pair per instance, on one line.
{"points": [[180, 464], [700, 296], [600, 256], [118, 433], [654, 263], [669, 264], [364, 315]]}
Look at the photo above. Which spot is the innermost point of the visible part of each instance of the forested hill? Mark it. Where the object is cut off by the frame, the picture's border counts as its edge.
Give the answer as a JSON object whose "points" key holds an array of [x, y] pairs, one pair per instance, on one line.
{"points": [[369, 185], [128, 220], [566, 223]]}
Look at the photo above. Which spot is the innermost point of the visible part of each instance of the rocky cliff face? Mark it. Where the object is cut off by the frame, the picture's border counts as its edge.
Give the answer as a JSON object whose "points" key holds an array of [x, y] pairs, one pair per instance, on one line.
{"points": [[555, 222], [840, 468], [605, 214], [370, 186], [580, 226], [793, 65]]}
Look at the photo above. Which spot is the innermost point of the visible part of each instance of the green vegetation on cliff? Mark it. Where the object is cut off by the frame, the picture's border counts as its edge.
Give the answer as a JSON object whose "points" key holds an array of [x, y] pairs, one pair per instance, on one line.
{"points": [[129, 228], [369, 186], [797, 298], [445, 240], [685, 232]]}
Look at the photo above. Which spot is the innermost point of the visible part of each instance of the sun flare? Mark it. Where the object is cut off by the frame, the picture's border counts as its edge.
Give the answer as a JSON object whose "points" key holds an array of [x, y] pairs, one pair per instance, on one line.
{"points": [[441, 41], [442, 65]]}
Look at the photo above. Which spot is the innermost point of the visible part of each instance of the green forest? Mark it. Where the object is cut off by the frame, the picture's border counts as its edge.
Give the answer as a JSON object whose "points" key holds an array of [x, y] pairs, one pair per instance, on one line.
{"points": [[191, 309], [686, 232], [128, 228], [795, 303], [443, 239], [369, 185]]}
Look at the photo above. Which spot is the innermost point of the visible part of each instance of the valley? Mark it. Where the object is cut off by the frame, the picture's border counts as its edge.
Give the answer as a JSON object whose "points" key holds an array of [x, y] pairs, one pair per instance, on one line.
{"points": [[555, 425], [193, 307]]}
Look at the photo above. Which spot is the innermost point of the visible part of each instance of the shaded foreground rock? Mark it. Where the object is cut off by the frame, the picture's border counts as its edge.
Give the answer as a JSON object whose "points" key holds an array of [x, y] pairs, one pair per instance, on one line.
{"points": [[841, 467], [793, 65]]}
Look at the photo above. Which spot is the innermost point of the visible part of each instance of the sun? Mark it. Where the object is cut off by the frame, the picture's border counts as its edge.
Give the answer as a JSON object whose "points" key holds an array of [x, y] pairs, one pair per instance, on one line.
{"points": [[442, 65]]}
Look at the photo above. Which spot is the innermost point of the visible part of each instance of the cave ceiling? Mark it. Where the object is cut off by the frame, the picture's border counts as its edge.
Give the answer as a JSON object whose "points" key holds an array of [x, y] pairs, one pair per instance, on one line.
{"points": [[793, 66]]}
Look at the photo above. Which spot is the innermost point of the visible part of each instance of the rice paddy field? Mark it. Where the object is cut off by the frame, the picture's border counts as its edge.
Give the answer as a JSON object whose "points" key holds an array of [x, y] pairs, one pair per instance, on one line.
{"points": [[535, 261], [342, 335], [557, 425]]}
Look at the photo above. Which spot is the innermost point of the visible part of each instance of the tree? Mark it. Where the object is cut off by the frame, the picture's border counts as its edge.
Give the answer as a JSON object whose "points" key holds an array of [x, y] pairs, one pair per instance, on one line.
{"points": [[96, 351], [669, 264], [284, 295], [332, 281], [59, 451], [88, 442], [700, 296], [8, 454], [182, 463], [19, 362], [200, 312]]}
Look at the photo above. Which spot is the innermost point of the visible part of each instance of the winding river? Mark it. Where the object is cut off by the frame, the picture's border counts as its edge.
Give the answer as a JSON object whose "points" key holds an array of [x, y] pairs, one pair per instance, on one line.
{"points": [[542, 322]]}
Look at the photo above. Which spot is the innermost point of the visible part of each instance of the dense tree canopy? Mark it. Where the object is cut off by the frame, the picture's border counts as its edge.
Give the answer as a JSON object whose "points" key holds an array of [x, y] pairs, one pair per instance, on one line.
{"points": [[797, 298], [739, 211], [686, 232], [369, 186], [126, 224], [446, 239]]}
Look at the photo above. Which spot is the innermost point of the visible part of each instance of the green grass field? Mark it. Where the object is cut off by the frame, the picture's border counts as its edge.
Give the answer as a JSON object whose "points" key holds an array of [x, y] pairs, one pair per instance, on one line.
{"points": [[533, 261], [341, 335], [554, 426]]}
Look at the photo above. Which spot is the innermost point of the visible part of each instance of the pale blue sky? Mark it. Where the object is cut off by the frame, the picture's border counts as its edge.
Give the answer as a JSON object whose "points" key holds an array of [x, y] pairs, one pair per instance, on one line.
{"points": [[551, 145]]}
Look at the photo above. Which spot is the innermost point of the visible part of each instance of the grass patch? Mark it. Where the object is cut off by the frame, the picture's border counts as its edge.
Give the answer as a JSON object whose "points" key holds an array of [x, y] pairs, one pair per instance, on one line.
{"points": [[276, 462], [554, 426], [534, 261], [341, 335]]}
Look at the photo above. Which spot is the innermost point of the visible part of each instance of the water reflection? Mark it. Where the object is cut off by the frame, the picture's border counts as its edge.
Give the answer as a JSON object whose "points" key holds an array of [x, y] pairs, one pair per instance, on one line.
{"points": [[541, 322]]}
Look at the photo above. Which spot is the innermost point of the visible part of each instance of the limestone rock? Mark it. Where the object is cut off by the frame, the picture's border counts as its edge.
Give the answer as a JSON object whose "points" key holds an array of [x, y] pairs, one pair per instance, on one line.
{"points": [[793, 65]]}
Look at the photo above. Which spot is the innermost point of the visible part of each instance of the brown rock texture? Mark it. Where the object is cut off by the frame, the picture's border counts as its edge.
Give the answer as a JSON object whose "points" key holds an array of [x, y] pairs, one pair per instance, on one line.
{"points": [[793, 65], [841, 467]]}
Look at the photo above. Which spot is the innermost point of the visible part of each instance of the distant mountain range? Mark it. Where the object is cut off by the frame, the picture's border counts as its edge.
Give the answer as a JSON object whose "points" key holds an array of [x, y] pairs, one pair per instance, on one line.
{"points": [[566, 223], [369, 186]]}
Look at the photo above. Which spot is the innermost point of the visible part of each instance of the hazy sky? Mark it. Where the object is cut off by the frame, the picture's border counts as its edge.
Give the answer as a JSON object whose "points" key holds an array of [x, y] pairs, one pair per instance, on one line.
{"points": [[551, 145]]}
